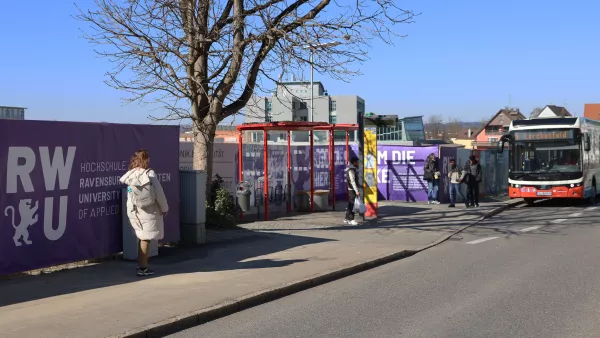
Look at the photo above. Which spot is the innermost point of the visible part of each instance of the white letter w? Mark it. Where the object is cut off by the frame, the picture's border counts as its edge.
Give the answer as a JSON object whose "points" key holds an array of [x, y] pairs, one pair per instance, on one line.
{"points": [[59, 167]]}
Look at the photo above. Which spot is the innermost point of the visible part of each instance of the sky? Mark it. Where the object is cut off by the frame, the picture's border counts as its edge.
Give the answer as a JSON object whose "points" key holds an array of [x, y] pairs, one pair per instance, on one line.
{"points": [[461, 59]]}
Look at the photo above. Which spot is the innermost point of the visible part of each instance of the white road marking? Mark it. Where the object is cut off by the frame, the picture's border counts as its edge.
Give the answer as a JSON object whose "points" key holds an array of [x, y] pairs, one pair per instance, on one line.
{"points": [[477, 241], [577, 214], [560, 220], [529, 229], [591, 208]]}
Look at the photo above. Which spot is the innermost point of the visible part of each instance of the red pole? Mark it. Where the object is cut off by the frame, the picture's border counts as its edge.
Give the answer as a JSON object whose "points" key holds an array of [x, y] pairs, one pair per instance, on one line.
{"points": [[312, 170], [347, 156], [266, 174], [240, 163], [289, 171], [332, 167]]}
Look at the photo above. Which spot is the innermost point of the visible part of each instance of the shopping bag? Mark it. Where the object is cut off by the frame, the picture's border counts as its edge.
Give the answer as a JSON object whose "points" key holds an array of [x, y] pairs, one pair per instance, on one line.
{"points": [[359, 206]]}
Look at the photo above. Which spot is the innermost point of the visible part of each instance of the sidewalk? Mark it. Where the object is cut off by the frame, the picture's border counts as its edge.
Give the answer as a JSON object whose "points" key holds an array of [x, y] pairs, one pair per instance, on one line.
{"points": [[108, 299]]}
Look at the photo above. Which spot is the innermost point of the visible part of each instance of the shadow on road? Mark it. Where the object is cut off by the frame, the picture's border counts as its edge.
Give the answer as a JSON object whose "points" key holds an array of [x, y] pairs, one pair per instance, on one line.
{"points": [[551, 216]]}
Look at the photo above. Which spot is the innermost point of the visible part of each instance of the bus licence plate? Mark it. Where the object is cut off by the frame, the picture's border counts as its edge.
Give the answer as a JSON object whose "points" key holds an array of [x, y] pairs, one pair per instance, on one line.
{"points": [[544, 193]]}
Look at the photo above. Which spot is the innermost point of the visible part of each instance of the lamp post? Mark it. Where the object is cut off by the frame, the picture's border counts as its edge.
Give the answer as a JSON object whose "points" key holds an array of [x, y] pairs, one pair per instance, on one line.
{"points": [[312, 91]]}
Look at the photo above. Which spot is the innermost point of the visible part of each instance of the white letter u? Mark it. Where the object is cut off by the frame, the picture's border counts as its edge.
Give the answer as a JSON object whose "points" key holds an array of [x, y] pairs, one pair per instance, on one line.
{"points": [[49, 230]]}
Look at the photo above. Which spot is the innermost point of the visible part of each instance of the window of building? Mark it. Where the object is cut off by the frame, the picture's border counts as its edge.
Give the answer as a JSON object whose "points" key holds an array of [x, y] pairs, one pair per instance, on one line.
{"points": [[294, 105], [332, 105], [303, 106], [269, 106], [332, 119], [268, 118], [303, 118]]}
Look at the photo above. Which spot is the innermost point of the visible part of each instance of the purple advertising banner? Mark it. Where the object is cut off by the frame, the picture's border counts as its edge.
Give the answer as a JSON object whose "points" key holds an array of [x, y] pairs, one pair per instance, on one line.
{"points": [[400, 172], [400, 169], [61, 195]]}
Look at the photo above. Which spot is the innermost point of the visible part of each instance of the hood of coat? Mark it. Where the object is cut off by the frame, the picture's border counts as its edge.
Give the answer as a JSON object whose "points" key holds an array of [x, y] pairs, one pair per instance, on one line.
{"points": [[136, 177]]}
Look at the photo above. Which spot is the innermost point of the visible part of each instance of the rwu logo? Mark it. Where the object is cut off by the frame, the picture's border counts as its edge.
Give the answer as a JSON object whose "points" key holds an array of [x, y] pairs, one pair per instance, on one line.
{"points": [[20, 164]]}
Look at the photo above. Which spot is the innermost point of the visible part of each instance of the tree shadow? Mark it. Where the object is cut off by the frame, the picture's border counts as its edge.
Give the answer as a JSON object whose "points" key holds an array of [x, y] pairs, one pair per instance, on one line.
{"points": [[236, 255], [509, 224]]}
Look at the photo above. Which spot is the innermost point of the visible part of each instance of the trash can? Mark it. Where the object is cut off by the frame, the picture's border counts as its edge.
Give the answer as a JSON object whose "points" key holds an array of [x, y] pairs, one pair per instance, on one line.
{"points": [[130, 240], [243, 194], [302, 201], [321, 198]]}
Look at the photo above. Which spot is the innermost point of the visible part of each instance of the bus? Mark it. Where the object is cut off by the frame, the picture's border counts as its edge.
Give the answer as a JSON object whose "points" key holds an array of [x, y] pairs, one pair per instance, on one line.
{"points": [[553, 158]]}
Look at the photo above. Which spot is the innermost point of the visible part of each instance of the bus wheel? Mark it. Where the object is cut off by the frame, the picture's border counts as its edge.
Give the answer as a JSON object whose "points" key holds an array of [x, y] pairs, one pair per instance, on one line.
{"points": [[529, 201]]}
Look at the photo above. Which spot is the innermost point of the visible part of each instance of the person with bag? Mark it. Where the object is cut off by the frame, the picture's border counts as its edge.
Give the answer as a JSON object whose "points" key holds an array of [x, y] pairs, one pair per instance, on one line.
{"points": [[146, 206], [431, 175], [353, 192], [455, 175], [472, 177]]}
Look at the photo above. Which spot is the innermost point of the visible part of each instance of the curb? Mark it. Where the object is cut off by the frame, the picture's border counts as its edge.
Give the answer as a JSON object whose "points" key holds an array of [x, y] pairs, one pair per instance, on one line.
{"points": [[199, 317]]}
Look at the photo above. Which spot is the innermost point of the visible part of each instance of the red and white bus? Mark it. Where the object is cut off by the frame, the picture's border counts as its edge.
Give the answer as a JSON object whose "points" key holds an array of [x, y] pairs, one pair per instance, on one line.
{"points": [[553, 158]]}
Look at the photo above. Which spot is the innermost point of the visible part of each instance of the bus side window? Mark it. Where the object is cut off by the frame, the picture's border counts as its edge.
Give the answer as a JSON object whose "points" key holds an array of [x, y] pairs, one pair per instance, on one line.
{"points": [[586, 142]]}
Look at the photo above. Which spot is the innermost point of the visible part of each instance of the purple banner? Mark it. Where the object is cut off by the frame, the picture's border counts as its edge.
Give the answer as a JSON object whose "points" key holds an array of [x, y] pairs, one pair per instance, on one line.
{"points": [[61, 198], [400, 172], [400, 169]]}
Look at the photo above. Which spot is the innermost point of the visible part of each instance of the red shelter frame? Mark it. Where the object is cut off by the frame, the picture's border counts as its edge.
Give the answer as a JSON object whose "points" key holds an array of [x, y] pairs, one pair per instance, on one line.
{"points": [[289, 127]]}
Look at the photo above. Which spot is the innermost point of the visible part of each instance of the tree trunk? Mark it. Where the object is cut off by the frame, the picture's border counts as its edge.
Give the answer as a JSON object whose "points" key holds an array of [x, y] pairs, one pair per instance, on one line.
{"points": [[205, 132]]}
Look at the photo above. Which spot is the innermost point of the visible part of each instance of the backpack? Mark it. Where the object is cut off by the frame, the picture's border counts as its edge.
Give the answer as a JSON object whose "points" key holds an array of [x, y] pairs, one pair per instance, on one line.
{"points": [[142, 192]]}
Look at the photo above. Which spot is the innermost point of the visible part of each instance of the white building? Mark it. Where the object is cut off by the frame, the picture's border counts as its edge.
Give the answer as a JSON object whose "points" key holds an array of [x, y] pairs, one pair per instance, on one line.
{"points": [[12, 113]]}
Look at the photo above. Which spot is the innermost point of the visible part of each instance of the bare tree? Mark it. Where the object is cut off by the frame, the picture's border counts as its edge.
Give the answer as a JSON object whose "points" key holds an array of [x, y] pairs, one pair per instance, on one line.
{"points": [[435, 128], [454, 128], [203, 59]]}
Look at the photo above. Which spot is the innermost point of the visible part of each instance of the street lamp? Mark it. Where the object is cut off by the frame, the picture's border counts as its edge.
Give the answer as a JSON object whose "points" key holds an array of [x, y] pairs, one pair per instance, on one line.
{"points": [[312, 48]]}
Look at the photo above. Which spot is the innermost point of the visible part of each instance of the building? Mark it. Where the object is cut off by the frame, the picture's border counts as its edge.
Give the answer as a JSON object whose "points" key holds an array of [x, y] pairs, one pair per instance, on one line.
{"points": [[12, 113], [551, 111], [592, 111], [291, 102], [224, 134], [497, 126], [407, 129]]}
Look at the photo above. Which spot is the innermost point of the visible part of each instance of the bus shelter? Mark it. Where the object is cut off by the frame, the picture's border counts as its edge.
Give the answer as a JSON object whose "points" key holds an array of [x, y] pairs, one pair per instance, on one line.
{"points": [[292, 166]]}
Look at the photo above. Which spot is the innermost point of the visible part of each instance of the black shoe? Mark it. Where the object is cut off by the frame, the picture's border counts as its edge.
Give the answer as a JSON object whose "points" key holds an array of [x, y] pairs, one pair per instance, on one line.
{"points": [[476, 205], [141, 272], [451, 206]]}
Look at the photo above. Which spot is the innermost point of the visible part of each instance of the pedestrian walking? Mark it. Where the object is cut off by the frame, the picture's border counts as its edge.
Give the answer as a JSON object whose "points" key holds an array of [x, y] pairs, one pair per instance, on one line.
{"points": [[455, 175], [353, 192], [146, 206], [472, 176], [431, 174]]}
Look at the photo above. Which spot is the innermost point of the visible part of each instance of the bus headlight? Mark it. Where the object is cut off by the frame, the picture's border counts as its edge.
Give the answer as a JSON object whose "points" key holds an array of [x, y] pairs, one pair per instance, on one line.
{"points": [[517, 185], [572, 185]]}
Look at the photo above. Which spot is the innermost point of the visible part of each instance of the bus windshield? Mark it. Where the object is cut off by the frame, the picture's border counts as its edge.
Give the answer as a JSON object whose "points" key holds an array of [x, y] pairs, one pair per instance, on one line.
{"points": [[546, 156]]}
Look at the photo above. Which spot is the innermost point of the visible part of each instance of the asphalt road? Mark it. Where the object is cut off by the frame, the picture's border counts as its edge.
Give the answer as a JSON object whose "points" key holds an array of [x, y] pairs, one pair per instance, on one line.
{"points": [[528, 272]]}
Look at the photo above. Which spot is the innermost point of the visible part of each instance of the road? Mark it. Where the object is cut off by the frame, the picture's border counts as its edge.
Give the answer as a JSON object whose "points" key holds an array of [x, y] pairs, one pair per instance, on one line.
{"points": [[528, 272]]}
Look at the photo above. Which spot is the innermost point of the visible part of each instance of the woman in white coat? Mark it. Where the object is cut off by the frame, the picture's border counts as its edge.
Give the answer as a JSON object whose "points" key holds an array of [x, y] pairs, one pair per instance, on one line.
{"points": [[147, 222]]}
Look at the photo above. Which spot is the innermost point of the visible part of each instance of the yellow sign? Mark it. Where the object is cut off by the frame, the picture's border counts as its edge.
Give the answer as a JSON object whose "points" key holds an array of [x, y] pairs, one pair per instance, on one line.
{"points": [[370, 172]]}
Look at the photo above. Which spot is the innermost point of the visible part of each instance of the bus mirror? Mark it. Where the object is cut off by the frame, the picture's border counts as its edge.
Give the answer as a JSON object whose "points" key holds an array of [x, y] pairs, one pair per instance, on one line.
{"points": [[586, 142]]}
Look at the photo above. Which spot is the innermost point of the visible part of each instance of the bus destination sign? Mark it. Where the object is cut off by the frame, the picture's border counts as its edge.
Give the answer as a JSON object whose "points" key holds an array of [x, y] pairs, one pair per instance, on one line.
{"points": [[544, 135]]}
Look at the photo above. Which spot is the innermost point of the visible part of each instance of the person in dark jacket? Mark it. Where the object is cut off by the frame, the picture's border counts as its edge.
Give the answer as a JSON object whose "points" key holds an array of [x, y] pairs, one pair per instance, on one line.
{"points": [[472, 176], [431, 175], [353, 192]]}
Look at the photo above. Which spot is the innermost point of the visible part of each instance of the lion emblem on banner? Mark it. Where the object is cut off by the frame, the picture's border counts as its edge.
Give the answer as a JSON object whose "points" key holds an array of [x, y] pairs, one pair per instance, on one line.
{"points": [[27, 213]]}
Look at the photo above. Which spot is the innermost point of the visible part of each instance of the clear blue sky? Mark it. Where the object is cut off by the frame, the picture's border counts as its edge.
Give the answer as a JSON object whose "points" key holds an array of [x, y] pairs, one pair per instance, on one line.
{"points": [[461, 58]]}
